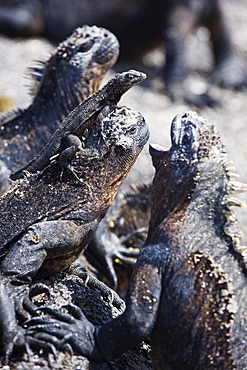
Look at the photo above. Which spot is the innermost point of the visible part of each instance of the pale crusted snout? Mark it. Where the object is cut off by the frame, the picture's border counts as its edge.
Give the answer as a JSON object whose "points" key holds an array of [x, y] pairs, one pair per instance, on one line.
{"points": [[125, 127]]}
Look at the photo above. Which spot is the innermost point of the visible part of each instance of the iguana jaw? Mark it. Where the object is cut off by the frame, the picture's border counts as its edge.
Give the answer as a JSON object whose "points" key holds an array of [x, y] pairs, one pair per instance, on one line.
{"points": [[176, 169], [171, 191]]}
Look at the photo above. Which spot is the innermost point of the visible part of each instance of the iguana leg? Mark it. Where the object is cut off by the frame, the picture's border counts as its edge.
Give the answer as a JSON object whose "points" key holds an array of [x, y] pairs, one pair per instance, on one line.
{"points": [[11, 333], [73, 145], [103, 342], [52, 245], [105, 248]]}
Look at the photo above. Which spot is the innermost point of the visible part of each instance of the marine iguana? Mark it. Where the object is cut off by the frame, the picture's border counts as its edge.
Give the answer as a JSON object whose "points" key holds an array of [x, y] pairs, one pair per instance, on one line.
{"points": [[52, 221], [189, 286], [73, 72], [66, 143], [140, 26], [97, 106]]}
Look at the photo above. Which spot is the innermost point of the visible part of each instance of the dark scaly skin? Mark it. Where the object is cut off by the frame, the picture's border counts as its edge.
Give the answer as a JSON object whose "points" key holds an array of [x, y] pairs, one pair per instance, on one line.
{"points": [[72, 73], [115, 245], [189, 286], [140, 26], [76, 195], [95, 108], [83, 116], [53, 220]]}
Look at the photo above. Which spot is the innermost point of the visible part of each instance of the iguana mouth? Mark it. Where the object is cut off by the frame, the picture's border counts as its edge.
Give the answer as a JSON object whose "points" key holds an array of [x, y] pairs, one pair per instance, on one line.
{"points": [[159, 148]]}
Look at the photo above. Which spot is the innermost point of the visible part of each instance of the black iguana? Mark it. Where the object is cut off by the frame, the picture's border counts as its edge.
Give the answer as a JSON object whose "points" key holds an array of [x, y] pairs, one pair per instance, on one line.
{"points": [[46, 223], [72, 73], [188, 290]]}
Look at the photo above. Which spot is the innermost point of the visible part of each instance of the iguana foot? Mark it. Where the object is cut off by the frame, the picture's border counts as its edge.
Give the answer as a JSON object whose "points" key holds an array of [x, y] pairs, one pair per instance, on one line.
{"points": [[106, 248], [65, 331], [22, 297], [127, 251], [108, 294]]}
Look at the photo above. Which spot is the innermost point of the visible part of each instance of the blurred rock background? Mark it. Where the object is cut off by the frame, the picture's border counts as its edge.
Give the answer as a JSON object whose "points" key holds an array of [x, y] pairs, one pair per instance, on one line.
{"points": [[17, 55]]}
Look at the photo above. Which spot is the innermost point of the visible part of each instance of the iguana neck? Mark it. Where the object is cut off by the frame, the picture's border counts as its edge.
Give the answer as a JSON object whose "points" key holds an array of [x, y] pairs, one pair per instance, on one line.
{"points": [[169, 198], [193, 208], [206, 217], [62, 94]]}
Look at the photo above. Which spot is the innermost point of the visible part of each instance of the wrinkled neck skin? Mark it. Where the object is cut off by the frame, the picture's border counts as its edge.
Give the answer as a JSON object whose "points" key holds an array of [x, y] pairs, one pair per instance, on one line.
{"points": [[169, 199], [100, 178], [186, 206], [109, 173]]}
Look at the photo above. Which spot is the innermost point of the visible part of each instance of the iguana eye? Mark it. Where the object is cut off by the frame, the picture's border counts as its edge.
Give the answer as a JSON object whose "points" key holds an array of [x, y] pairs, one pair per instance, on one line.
{"points": [[132, 130], [85, 47], [129, 76]]}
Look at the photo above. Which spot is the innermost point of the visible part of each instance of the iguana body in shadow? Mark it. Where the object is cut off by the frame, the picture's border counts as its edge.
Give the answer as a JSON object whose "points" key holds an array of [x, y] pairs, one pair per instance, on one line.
{"points": [[54, 215], [189, 286]]}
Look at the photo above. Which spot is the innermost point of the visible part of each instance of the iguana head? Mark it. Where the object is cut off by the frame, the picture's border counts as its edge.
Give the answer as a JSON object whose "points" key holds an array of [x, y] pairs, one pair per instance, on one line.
{"points": [[79, 63], [122, 82], [192, 177], [109, 153], [128, 79], [91, 48]]}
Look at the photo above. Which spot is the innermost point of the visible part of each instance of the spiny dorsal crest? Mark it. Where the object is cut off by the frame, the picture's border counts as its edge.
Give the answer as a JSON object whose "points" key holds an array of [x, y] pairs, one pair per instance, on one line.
{"points": [[9, 116], [211, 147]]}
